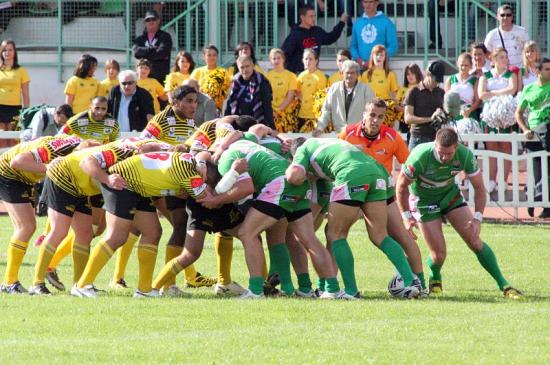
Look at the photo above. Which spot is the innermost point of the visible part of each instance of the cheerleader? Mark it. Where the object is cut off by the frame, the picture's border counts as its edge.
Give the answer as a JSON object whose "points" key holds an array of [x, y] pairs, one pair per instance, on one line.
{"points": [[464, 83], [529, 72], [341, 56], [310, 82], [213, 79], [283, 85]]}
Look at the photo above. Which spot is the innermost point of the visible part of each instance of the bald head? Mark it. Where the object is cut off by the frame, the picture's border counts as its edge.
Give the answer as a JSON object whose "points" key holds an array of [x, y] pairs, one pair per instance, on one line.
{"points": [[193, 83]]}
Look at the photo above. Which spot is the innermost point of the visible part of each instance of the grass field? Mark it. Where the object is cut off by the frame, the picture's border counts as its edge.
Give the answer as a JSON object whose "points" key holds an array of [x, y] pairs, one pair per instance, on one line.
{"points": [[470, 323]]}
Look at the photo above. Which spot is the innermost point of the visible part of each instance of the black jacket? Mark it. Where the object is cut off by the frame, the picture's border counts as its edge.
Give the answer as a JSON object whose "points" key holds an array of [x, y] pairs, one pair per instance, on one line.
{"points": [[158, 52], [140, 105]]}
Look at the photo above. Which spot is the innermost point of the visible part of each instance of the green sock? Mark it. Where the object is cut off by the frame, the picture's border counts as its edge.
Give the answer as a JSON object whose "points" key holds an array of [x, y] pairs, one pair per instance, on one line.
{"points": [[396, 255], [332, 285], [488, 260], [422, 279], [344, 260], [435, 269], [255, 284], [321, 284], [304, 283], [279, 258]]}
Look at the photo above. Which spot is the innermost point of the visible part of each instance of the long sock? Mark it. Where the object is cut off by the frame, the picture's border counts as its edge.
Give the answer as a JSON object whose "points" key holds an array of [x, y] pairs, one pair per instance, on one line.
{"points": [[255, 284], [304, 283], [147, 257], [81, 254], [44, 257], [488, 260], [47, 227], [422, 279], [101, 254], [224, 252], [264, 270], [63, 250], [332, 285], [344, 260], [279, 258], [123, 256], [395, 253], [435, 269], [168, 272], [16, 252], [190, 273], [321, 282], [171, 253]]}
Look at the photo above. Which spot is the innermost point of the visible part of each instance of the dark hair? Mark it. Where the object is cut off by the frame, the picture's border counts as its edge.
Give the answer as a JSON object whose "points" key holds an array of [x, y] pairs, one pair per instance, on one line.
{"points": [[241, 46], [377, 102], [479, 45], [182, 91], [213, 176], [64, 109], [144, 62], [112, 63], [244, 122], [3, 45], [415, 69], [304, 9], [84, 65], [99, 99], [210, 47], [188, 57], [542, 62], [345, 53], [446, 137]]}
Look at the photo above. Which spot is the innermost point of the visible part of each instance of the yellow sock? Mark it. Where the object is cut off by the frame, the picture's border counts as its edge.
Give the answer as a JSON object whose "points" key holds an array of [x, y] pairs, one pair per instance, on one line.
{"points": [[264, 270], [63, 250], [147, 257], [44, 257], [123, 256], [224, 251], [171, 253], [98, 259], [81, 254], [16, 252], [47, 227], [168, 272], [190, 273]]}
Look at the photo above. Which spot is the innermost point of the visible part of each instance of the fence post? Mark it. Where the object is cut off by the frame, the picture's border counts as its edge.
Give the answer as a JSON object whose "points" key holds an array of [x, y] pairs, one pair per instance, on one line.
{"points": [[60, 40]]}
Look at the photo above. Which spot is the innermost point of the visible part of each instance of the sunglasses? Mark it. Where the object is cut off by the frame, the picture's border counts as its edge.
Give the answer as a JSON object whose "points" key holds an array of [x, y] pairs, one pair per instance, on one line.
{"points": [[506, 15], [126, 83]]}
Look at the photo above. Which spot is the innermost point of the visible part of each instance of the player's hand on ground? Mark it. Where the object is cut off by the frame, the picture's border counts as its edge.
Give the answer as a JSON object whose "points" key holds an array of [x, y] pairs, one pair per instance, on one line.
{"points": [[240, 165], [116, 182]]}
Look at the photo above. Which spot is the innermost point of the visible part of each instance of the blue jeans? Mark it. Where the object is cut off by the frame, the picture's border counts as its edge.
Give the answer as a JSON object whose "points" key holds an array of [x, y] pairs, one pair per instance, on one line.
{"points": [[418, 139]]}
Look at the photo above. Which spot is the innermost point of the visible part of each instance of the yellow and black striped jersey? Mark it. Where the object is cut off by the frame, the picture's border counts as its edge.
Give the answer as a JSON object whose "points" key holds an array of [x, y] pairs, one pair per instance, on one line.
{"points": [[44, 149], [167, 127], [86, 127], [203, 137], [161, 174], [68, 175]]}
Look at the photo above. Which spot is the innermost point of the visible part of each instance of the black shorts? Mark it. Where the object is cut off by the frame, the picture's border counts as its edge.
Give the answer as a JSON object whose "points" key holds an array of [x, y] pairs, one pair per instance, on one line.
{"points": [[350, 203], [8, 113], [96, 201], [275, 211], [212, 220], [390, 200], [173, 203], [15, 192], [124, 203], [63, 202]]}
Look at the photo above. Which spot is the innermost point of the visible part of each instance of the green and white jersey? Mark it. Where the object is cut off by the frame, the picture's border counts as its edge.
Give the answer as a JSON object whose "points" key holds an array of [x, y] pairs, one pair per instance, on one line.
{"points": [[264, 165], [271, 143], [432, 178], [536, 98]]}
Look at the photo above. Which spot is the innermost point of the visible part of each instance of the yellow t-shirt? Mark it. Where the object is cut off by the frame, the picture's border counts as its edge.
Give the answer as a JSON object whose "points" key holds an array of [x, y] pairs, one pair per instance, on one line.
{"points": [[11, 82], [173, 80], [231, 71], [402, 92], [308, 84], [380, 84], [281, 83], [218, 95], [105, 86], [335, 77], [84, 90], [155, 89]]}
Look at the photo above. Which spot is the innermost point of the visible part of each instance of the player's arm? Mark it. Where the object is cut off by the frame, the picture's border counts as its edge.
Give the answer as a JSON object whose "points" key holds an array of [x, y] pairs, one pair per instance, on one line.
{"points": [[96, 165], [238, 167], [521, 121], [226, 142], [29, 162], [410, 118], [402, 192]]}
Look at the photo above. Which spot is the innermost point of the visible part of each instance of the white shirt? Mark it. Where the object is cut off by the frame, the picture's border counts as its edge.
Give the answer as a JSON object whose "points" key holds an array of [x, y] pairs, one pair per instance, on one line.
{"points": [[122, 117], [513, 42]]}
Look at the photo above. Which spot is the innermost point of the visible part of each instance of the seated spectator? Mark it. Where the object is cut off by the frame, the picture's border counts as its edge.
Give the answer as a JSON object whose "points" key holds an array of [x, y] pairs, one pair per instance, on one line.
{"points": [[183, 67], [244, 49], [341, 56], [48, 122], [345, 101], [143, 69], [130, 104], [206, 108], [83, 86], [309, 82], [250, 93], [112, 68]]}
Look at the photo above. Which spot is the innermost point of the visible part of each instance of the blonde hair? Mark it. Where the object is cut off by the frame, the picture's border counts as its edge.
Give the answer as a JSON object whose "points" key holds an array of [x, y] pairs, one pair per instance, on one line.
{"points": [[530, 46], [275, 51]]}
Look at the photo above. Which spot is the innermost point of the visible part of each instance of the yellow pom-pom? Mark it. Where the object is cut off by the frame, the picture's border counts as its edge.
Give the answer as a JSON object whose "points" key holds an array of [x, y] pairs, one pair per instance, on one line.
{"points": [[215, 86]]}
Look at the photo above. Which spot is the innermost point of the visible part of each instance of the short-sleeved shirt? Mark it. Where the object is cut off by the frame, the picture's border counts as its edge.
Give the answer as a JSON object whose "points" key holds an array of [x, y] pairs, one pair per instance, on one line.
{"points": [[83, 90], [425, 103], [309, 83], [167, 127], [44, 150], [432, 179], [11, 82], [106, 85], [382, 85], [514, 40], [281, 84], [201, 75], [174, 80], [161, 174], [154, 88], [86, 127], [536, 98], [464, 88]]}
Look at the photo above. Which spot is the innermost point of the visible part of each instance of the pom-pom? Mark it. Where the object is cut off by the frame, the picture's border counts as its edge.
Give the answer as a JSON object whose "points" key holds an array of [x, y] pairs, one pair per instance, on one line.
{"points": [[287, 120], [215, 86], [467, 126], [499, 111]]}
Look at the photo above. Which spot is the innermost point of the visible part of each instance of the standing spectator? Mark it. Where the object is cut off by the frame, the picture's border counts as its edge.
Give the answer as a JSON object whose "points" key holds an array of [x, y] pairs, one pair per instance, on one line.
{"points": [[434, 7], [378, 75], [536, 98], [412, 76], [244, 49], [250, 93], [345, 101], [371, 29], [183, 66], [155, 45], [48, 121], [213, 79], [283, 87], [14, 87], [308, 35], [529, 72], [464, 83], [206, 108], [341, 56], [507, 35], [480, 56], [83, 86], [422, 102], [309, 82], [130, 104], [112, 68], [143, 69]]}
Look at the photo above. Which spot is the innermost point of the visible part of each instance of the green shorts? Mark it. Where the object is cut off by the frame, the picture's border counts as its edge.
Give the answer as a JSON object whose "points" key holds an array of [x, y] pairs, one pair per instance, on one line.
{"points": [[361, 188], [285, 195], [321, 193], [431, 208]]}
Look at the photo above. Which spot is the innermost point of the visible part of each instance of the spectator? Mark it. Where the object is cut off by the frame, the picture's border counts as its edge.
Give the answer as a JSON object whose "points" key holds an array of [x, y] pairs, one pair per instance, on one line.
{"points": [[244, 49], [143, 69], [130, 104], [529, 72], [283, 87], [307, 35], [412, 76], [434, 7], [507, 35], [341, 56], [82, 87], [213, 79], [183, 66], [206, 108], [422, 102], [464, 83], [112, 68], [536, 98], [378, 75], [14, 87], [371, 29], [345, 101], [250, 93], [48, 122], [155, 45], [309, 82], [293, 4], [480, 56]]}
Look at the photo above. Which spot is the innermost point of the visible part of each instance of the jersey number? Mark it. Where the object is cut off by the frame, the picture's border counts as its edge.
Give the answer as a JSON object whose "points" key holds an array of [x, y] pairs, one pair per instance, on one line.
{"points": [[156, 161]]}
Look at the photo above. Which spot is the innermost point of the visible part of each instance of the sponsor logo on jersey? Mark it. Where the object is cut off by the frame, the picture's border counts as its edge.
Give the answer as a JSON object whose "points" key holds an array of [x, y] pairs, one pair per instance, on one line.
{"points": [[82, 122], [196, 182], [290, 198], [360, 188], [42, 154], [109, 158], [180, 139], [190, 122], [107, 130], [83, 130], [380, 184], [409, 171], [203, 138], [187, 157], [171, 120], [198, 146], [110, 122], [153, 130], [433, 208], [96, 135]]}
